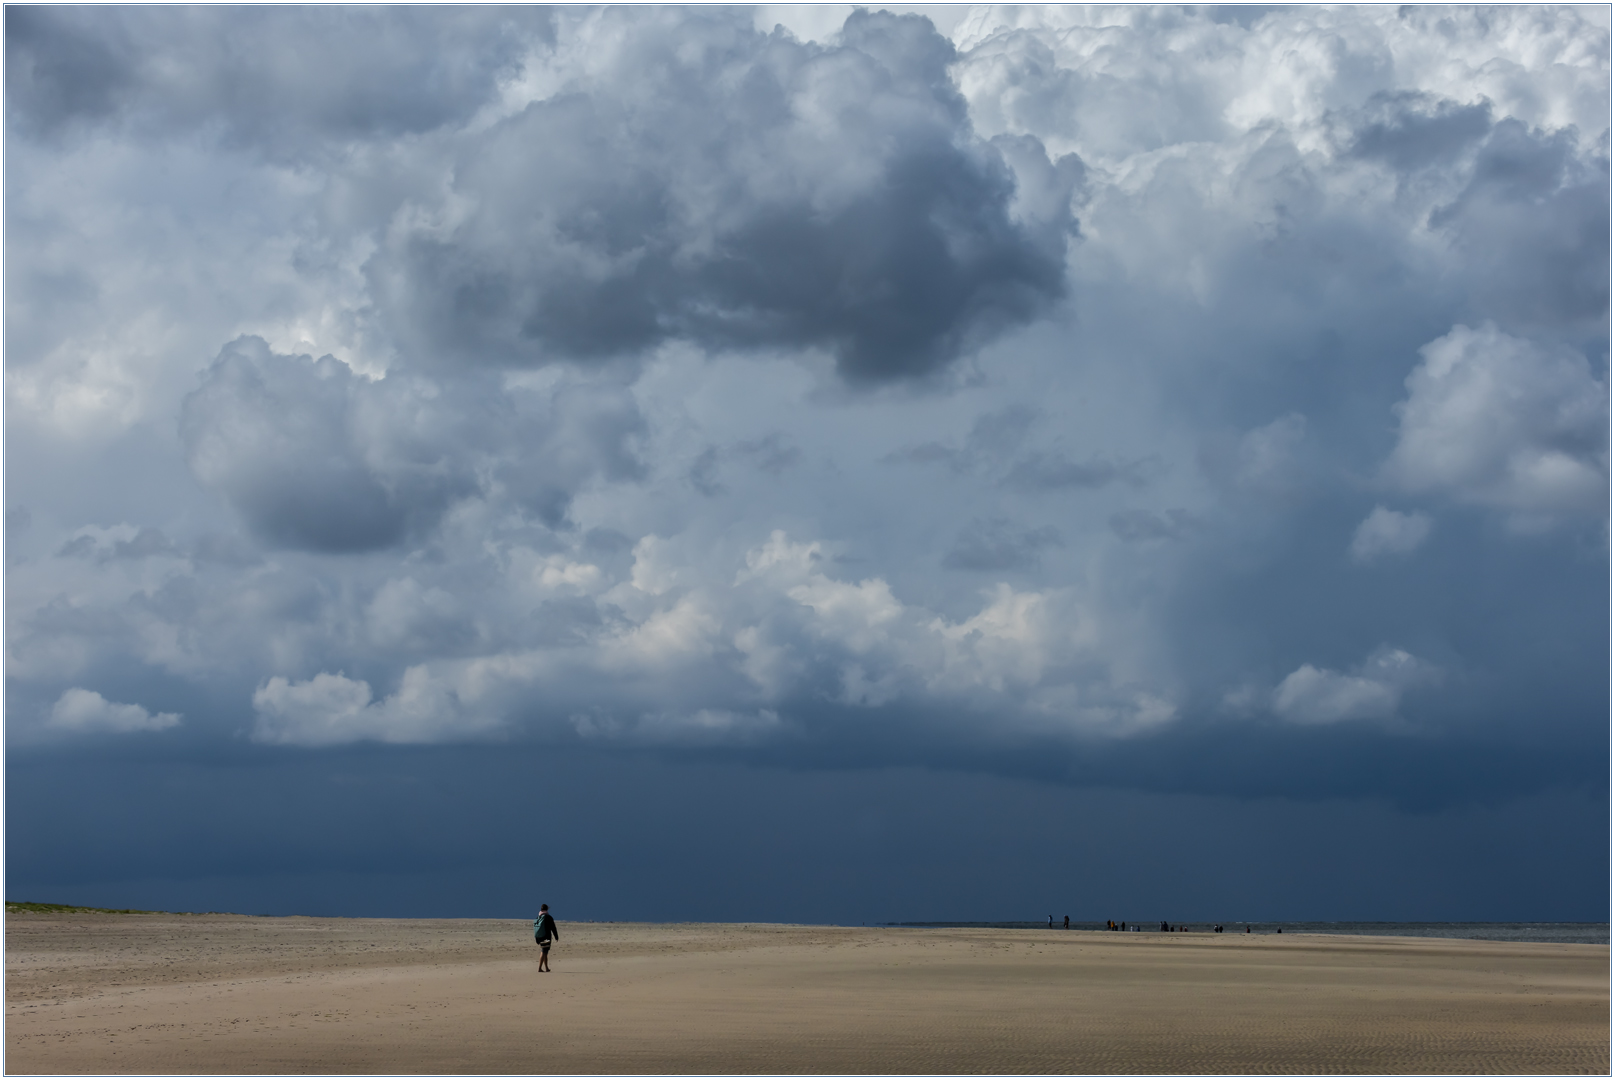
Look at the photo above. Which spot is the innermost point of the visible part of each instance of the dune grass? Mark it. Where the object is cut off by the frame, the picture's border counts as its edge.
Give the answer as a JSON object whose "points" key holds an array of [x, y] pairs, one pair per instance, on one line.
{"points": [[69, 909]]}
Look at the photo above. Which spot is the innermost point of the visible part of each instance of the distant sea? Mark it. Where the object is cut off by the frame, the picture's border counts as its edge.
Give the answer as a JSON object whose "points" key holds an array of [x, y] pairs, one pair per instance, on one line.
{"points": [[1580, 933]]}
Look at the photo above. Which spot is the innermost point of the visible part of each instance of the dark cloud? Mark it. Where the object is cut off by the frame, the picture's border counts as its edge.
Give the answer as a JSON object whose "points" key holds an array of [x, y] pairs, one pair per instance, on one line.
{"points": [[144, 544], [62, 64], [739, 191], [1410, 130], [275, 434], [703, 474], [996, 545], [606, 540], [1533, 224], [1138, 525], [1053, 471], [1245, 15], [548, 445], [313, 456], [279, 81], [992, 445], [226, 550], [771, 455], [1281, 483]]}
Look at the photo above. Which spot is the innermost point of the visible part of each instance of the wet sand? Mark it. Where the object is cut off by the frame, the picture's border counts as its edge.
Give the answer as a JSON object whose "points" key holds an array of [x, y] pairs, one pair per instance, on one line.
{"points": [[231, 994]]}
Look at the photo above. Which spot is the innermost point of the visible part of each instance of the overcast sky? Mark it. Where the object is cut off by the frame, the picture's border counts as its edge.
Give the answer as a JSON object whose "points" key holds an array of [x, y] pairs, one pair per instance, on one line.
{"points": [[807, 464]]}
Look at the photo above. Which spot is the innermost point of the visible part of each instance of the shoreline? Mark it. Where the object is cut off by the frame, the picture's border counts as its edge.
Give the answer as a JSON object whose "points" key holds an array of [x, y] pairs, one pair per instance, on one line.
{"points": [[1572, 932]]}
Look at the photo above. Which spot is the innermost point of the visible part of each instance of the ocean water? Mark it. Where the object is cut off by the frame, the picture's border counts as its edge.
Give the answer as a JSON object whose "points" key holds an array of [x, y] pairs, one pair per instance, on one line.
{"points": [[1581, 933]]}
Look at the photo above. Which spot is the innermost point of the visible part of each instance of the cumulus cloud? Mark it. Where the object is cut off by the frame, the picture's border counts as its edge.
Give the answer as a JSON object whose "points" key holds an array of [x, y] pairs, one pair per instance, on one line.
{"points": [[1411, 130], [1502, 421], [1532, 222], [275, 80], [1042, 649], [1149, 78], [682, 176], [528, 409], [329, 710], [276, 435], [1389, 532], [672, 655], [80, 710], [315, 456], [1310, 695]]}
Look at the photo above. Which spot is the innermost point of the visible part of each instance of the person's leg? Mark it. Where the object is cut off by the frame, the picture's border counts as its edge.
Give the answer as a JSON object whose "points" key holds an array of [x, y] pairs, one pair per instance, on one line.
{"points": [[544, 957]]}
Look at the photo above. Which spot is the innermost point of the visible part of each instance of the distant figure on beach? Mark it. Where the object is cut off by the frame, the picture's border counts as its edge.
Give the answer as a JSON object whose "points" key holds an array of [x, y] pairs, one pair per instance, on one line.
{"points": [[1051, 922], [543, 932], [1068, 922], [1124, 924]]}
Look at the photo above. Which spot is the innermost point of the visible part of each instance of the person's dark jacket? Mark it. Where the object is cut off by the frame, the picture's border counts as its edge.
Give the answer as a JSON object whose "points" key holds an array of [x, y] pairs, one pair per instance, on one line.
{"points": [[546, 928]]}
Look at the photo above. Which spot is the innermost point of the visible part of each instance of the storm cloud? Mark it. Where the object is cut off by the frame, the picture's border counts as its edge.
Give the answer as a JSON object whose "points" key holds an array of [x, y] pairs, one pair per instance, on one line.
{"points": [[1136, 412], [733, 190]]}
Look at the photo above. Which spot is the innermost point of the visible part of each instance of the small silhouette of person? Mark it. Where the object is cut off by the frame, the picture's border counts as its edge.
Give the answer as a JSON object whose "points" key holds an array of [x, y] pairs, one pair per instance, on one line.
{"points": [[1067, 923], [544, 932]]}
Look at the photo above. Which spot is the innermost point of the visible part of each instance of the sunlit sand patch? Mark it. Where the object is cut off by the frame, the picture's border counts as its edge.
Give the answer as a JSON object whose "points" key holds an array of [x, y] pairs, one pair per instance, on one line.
{"points": [[134, 993]]}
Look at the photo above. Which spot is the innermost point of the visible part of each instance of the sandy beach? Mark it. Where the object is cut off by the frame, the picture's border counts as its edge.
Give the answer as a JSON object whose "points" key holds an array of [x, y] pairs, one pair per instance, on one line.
{"points": [[89, 993]]}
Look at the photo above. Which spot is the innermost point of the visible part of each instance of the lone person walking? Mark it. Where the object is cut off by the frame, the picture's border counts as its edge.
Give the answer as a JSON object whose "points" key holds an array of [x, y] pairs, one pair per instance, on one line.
{"points": [[543, 932]]}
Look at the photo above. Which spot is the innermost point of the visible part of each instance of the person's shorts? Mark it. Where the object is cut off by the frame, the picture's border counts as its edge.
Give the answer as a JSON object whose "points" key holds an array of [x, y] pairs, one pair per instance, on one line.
{"points": [[543, 943]]}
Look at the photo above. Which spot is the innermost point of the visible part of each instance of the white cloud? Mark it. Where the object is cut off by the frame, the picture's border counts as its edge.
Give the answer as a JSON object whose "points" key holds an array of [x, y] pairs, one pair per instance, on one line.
{"points": [[1310, 695], [667, 639], [1389, 532], [85, 710], [707, 658], [653, 573], [1030, 656], [1502, 421], [1013, 640], [1112, 80], [329, 710], [858, 617]]}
